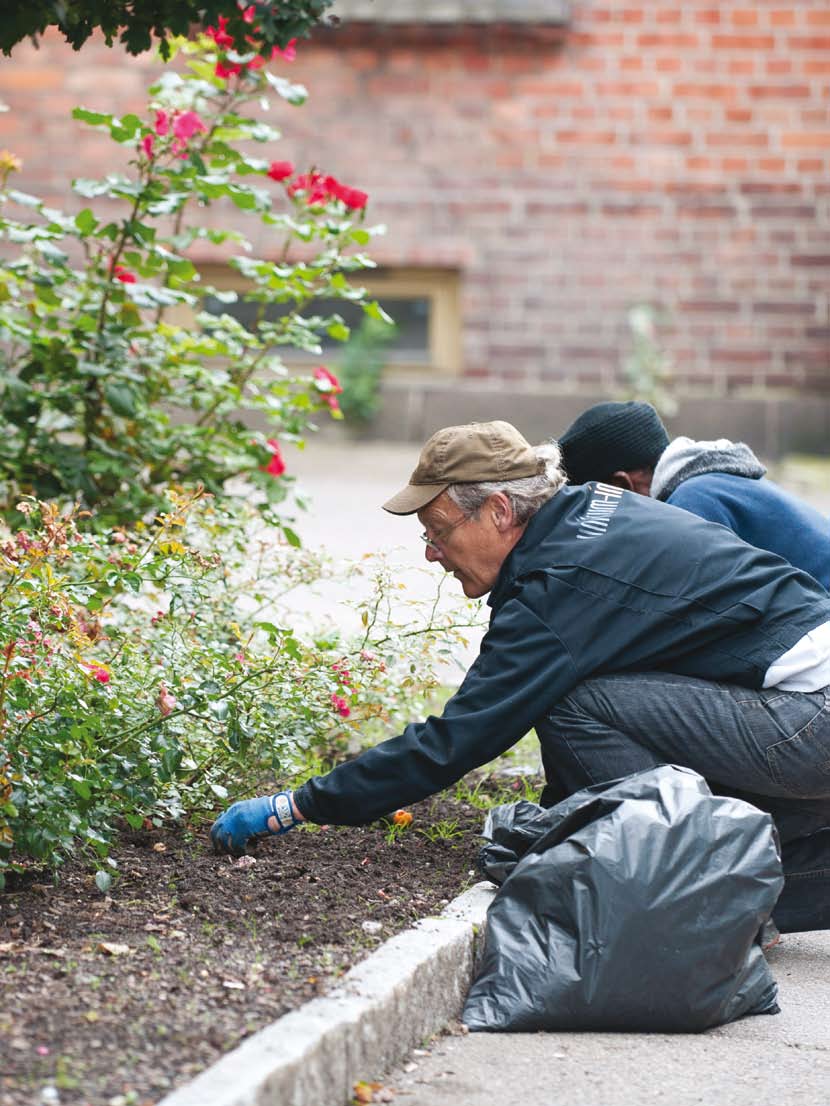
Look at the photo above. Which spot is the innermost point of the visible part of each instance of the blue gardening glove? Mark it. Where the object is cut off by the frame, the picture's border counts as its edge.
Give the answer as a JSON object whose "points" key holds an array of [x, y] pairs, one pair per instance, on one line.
{"points": [[247, 821]]}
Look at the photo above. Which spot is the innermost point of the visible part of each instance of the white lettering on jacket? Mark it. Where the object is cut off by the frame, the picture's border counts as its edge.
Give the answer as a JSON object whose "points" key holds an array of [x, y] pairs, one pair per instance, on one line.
{"points": [[603, 504]]}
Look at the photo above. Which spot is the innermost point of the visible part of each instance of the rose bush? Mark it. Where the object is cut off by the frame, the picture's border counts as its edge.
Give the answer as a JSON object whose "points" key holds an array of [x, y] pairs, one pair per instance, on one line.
{"points": [[118, 380], [148, 673]]}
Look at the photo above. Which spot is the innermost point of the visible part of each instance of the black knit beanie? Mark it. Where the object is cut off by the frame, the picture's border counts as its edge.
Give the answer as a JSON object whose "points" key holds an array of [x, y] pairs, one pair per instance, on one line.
{"points": [[610, 437]]}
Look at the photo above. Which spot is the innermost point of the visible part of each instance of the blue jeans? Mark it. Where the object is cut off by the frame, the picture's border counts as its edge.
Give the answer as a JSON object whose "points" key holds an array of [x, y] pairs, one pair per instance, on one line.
{"points": [[771, 748]]}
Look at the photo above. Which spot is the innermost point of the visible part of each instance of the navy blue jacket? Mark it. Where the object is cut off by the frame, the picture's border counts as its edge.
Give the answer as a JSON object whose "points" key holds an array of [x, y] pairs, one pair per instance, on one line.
{"points": [[601, 581], [762, 514]]}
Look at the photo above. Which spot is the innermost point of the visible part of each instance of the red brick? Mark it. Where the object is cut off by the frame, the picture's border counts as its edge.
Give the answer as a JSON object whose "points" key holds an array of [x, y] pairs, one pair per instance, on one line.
{"points": [[710, 307], [810, 260], [745, 66], [791, 308], [640, 89], [742, 356], [744, 17], [738, 138], [743, 42], [738, 115], [586, 138], [782, 18], [799, 140], [809, 42], [668, 41], [818, 18], [693, 89], [779, 91]]}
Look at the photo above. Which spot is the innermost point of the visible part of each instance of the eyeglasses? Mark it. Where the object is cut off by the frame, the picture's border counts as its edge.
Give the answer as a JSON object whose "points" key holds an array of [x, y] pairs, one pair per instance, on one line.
{"points": [[441, 535]]}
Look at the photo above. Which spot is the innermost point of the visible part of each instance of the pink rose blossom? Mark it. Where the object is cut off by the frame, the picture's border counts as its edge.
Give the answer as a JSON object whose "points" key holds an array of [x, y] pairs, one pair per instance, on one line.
{"points": [[162, 122], [188, 123], [147, 145], [327, 381], [167, 702], [340, 706]]}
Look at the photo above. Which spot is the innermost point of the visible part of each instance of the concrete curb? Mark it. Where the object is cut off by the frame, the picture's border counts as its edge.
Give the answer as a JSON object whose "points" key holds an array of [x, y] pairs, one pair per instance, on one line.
{"points": [[403, 993]]}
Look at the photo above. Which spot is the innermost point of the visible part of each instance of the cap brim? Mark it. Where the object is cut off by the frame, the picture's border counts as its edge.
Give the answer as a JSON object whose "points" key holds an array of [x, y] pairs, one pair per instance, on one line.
{"points": [[413, 497]]}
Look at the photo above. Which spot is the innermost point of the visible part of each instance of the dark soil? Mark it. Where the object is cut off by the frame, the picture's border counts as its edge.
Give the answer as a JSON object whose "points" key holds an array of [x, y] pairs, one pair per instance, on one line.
{"points": [[113, 1000]]}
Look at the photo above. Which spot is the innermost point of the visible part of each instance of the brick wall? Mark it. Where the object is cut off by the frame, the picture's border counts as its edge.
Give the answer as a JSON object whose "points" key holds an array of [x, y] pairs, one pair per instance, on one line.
{"points": [[670, 153]]}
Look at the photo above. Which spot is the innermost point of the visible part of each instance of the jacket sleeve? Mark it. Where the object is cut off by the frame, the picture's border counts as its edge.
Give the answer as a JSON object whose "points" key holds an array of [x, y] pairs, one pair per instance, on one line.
{"points": [[523, 668]]}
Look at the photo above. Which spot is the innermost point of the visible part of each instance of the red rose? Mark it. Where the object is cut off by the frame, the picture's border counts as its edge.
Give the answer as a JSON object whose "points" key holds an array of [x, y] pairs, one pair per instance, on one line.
{"points": [[276, 466], [288, 52], [353, 198], [221, 37], [326, 381], [225, 71], [124, 275], [279, 170]]}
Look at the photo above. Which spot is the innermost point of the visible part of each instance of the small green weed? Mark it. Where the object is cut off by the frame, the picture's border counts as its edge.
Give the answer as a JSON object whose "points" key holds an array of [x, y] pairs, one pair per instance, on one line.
{"points": [[445, 830]]}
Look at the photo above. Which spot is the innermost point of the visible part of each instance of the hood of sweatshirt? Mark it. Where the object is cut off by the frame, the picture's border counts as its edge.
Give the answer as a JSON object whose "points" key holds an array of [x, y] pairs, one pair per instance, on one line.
{"points": [[685, 458]]}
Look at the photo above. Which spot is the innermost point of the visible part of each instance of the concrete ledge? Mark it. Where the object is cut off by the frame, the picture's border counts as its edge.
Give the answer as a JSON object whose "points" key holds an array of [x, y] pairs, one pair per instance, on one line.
{"points": [[403, 993]]}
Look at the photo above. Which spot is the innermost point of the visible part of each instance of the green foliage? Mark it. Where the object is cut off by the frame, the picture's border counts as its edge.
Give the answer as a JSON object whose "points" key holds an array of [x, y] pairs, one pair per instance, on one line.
{"points": [[648, 368], [116, 380], [153, 673], [447, 829], [135, 22], [360, 368]]}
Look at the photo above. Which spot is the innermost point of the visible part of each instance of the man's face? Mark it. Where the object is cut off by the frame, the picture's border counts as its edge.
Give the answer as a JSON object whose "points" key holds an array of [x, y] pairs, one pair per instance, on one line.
{"points": [[472, 548]]}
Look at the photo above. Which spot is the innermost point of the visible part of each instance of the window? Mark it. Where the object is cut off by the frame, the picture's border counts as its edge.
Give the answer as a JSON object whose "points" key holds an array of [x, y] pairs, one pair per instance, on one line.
{"points": [[423, 303]]}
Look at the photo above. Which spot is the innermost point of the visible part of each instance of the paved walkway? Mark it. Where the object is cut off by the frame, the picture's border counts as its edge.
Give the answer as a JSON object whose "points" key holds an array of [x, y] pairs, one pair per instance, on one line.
{"points": [[759, 1061]]}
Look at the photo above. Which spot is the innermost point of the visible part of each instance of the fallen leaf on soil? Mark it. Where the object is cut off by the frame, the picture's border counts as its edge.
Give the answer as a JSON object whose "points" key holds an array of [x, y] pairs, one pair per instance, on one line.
{"points": [[159, 847], [245, 862], [365, 1092], [112, 949], [233, 984]]}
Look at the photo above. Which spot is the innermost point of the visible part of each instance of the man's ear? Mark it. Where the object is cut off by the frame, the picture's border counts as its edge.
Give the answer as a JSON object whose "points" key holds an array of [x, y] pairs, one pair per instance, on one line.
{"points": [[621, 479], [501, 511], [635, 480]]}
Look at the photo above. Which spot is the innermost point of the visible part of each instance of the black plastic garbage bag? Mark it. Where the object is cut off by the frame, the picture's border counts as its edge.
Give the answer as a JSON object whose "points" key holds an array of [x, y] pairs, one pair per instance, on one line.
{"points": [[632, 905]]}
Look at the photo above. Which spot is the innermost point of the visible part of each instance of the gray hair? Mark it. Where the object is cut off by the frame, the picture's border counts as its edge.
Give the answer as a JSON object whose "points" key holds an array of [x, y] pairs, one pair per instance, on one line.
{"points": [[526, 495]]}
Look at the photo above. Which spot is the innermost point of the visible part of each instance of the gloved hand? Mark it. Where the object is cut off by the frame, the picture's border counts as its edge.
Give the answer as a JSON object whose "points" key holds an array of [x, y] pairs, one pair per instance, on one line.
{"points": [[247, 821]]}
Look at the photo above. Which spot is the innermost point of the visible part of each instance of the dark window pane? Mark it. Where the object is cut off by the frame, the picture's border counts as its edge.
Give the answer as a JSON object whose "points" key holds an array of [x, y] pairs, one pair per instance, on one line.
{"points": [[411, 315]]}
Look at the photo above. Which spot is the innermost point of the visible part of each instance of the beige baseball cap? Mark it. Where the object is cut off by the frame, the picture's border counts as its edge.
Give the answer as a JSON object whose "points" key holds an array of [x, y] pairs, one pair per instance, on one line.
{"points": [[471, 454]]}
